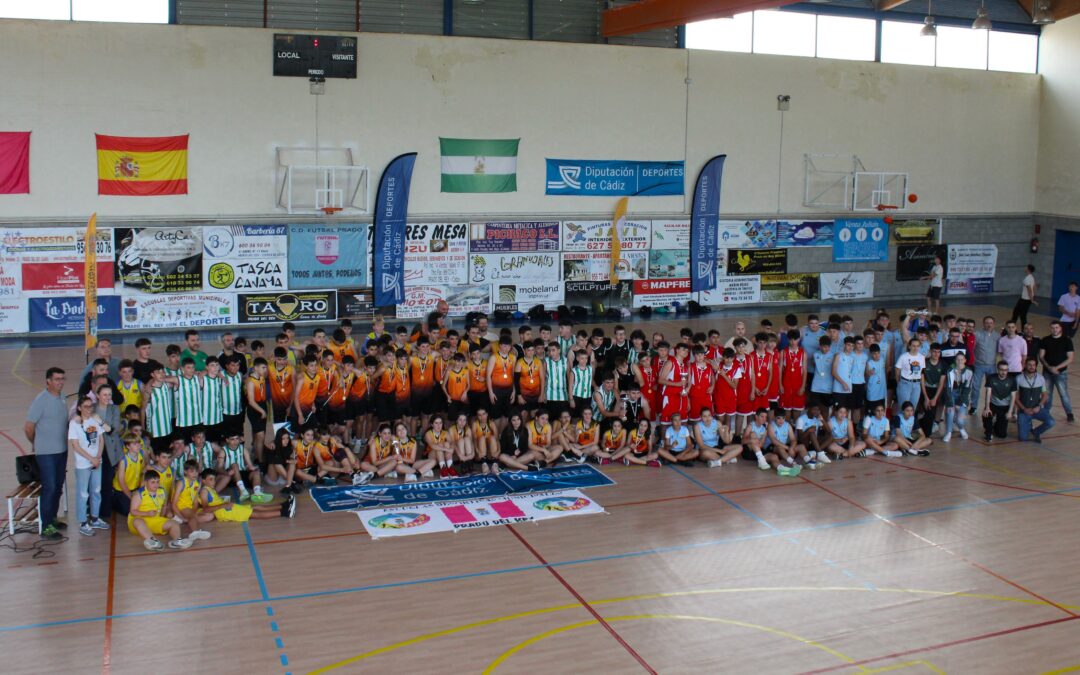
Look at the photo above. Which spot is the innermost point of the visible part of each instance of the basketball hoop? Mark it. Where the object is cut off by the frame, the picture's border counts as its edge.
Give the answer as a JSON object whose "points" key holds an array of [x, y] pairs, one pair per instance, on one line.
{"points": [[329, 210], [885, 207]]}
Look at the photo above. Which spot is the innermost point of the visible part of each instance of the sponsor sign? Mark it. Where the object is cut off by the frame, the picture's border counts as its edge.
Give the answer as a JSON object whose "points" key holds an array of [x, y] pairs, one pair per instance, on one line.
{"points": [[668, 234], [971, 269], [669, 264], [522, 297], [190, 310], [847, 285], [14, 317], [50, 261], [913, 261], [298, 306], [591, 293], [756, 261], [747, 233], [159, 259], [660, 292], [245, 257], [436, 254], [926, 231], [596, 265], [860, 240], [421, 300], [556, 504], [354, 303], [514, 236], [391, 210], [328, 255], [494, 268], [740, 290], [614, 178], [67, 314], [557, 478], [790, 287], [595, 235], [791, 233], [705, 219]]}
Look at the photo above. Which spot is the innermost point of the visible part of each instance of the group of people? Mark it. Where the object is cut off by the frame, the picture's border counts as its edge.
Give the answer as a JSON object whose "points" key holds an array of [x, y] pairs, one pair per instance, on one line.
{"points": [[160, 441]]}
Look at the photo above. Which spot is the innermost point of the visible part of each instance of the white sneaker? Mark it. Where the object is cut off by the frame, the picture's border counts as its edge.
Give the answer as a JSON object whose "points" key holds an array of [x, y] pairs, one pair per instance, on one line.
{"points": [[152, 544], [180, 544], [947, 437], [763, 465], [244, 495], [199, 535], [963, 434], [411, 478], [392, 474], [365, 477], [714, 463], [428, 474], [934, 430], [822, 457]]}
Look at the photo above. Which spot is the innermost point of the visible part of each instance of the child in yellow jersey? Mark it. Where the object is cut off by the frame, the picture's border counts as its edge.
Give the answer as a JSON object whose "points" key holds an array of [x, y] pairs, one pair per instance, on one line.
{"points": [[162, 464], [148, 515], [185, 502], [334, 459], [129, 388], [612, 443], [586, 437], [381, 460], [210, 502], [544, 452], [408, 461], [438, 442], [485, 440], [302, 465], [129, 472]]}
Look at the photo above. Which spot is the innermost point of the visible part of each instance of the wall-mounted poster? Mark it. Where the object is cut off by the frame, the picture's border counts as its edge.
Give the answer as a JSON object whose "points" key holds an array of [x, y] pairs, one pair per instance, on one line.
{"points": [[795, 233], [421, 300], [502, 237], [756, 261], [971, 269], [50, 261], [245, 257], [436, 254], [159, 259], [658, 292], [522, 297], [847, 285], [595, 235], [913, 261], [668, 234], [189, 310], [669, 264], [323, 256], [739, 290], [489, 268], [790, 287], [596, 265], [298, 306]]}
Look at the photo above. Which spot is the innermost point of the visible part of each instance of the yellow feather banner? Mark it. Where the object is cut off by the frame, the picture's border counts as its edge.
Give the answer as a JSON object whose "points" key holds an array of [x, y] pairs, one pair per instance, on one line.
{"points": [[90, 315], [616, 243]]}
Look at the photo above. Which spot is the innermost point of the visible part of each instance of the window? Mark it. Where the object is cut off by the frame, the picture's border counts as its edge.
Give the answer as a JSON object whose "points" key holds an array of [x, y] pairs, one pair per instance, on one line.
{"points": [[1014, 52], [961, 48], [130, 11], [728, 35], [840, 37], [39, 9], [901, 43], [788, 33]]}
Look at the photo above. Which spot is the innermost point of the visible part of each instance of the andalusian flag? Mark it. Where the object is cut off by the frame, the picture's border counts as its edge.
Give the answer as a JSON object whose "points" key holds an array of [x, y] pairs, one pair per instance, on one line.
{"points": [[142, 166], [477, 165], [616, 243]]}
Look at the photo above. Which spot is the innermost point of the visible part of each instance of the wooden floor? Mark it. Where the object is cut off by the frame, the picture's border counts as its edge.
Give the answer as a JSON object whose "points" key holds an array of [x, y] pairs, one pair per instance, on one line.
{"points": [[963, 562]]}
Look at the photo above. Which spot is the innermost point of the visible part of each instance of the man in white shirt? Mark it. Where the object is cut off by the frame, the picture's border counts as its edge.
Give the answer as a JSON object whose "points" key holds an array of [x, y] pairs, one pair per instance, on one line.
{"points": [[937, 283], [1069, 306], [1026, 301]]}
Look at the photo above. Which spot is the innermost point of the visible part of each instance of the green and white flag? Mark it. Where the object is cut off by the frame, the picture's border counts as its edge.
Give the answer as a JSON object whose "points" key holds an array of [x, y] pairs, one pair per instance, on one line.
{"points": [[479, 165]]}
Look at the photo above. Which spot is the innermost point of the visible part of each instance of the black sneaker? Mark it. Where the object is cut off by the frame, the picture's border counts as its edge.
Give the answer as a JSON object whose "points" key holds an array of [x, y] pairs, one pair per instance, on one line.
{"points": [[1070, 418], [971, 411], [988, 438], [1035, 438], [60, 525]]}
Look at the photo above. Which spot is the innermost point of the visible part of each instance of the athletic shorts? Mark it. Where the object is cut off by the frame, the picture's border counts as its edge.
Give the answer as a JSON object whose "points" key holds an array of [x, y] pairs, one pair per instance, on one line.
{"points": [[455, 408], [257, 421], [556, 408], [870, 405], [699, 402], [672, 405], [423, 402], [934, 292], [339, 415], [478, 400], [155, 523], [531, 403], [403, 408], [187, 433], [237, 513], [360, 406], [825, 401], [234, 424], [580, 404], [277, 455], [748, 454], [281, 413], [385, 407], [858, 395], [843, 399], [502, 405]]}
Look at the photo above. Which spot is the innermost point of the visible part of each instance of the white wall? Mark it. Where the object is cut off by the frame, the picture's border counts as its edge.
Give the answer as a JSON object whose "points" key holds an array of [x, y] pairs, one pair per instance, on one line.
{"points": [[1058, 190], [65, 81]]}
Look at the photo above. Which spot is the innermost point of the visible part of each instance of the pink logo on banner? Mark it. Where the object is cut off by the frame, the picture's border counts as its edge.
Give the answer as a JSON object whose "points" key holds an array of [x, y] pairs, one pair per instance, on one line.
{"points": [[458, 515], [507, 509], [326, 248]]}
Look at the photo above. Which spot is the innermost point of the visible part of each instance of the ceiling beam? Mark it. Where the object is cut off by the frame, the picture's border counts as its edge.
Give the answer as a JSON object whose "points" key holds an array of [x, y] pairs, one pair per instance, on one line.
{"points": [[649, 15], [886, 5], [1059, 9]]}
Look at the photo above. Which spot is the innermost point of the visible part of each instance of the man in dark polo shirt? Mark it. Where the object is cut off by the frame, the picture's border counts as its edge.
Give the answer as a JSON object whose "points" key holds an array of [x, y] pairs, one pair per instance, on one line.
{"points": [[1031, 403], [1056, 354], [932, 383], [998, 403]]}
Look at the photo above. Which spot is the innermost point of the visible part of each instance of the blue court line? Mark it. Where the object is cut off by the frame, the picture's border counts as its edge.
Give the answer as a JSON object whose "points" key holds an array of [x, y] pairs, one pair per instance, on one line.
{"points": [[525, 568], [278, 642]]}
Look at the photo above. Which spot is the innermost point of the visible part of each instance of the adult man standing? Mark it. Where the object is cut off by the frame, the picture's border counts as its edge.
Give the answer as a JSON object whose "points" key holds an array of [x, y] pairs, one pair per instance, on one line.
{"points": [[986, 358], [103, 350], [1013, 348], [1027, 297], [193, 350], [46, 429], [1056, 355], [1069, 306], [1031, 403]]}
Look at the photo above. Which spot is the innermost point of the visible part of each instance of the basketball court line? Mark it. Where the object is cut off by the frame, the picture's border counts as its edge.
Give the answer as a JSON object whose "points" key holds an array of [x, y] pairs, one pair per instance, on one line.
{"points": [[1063, 493], [18, 446], [265, 595], [106, 660], [511, 570], [15, 366]]}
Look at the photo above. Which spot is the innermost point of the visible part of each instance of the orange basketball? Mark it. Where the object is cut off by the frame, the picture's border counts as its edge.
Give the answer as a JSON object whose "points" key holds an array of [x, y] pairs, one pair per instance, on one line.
{"points": [[913, 197]]}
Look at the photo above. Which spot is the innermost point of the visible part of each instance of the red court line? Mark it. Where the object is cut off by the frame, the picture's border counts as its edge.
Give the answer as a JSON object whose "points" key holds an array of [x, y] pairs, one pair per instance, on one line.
{"points": [[943, 645], [582, 601], [975, 480], [659, 500], [942, 548], [140, 554], [106, 661], [18, 446]]}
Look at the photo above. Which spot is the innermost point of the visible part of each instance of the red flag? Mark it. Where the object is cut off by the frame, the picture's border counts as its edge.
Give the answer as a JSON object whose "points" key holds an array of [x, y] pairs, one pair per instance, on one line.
{"points": [[14, 162]]}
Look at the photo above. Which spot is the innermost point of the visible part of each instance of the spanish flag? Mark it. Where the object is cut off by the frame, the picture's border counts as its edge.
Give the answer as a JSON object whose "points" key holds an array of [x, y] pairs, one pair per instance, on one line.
{"points": [[142, 166]]}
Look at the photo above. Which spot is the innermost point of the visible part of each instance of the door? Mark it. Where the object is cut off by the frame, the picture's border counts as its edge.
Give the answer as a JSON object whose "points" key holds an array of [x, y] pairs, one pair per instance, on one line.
{"points": [[1066, 263]]}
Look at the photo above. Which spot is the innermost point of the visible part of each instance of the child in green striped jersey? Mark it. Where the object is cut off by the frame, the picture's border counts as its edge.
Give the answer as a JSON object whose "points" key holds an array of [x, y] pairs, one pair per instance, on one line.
{"points": [[212, 408], [238, 467], [232, 397]]}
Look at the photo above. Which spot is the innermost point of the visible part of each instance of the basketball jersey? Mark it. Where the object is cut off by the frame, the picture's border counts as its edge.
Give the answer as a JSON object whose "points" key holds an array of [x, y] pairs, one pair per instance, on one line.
{"points": [[536, 436], [639, 443], [710, 433], [259, 388], [340, 389], [457, 383], [159, 414], [383, 450], [761, 432], [402, 384], [875, 381], [309, 388], [762, 364], [858, 367], [839, 429], [906, 426], [178, 461], [281, 385], [782, 432], [877, 428], [477, 376], [502, 374], [422, 372], [152, 500], [586, 435], [212, 497], [566, 344], [529, 381], [701, 377], [793, 363], [189, 398], [207, 457], [232, 393], [129, 472], [616, 442], [359, 389], [677, 375], [607, 402], [166, 475], [188, 491], [130, 394], [212, 408], [583, 382], [235, 456], [555, 386]]}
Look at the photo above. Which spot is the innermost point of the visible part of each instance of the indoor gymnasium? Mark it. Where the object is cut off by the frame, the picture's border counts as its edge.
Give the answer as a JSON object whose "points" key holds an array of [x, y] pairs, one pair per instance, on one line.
{"points": [[539, 336]]}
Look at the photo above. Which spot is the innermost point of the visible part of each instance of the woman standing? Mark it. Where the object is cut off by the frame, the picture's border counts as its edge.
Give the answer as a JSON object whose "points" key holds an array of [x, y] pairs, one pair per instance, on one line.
{"points": [[109, 413]]}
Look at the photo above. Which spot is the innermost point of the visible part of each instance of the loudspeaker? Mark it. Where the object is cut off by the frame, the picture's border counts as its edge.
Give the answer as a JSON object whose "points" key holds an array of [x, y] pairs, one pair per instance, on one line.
{"points": [[26, 469]]}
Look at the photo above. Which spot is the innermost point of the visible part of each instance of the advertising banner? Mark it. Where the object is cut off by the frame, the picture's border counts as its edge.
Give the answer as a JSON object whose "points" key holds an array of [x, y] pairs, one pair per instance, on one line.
{"points": [[667, 234], [661, 292], [741, 290], [246, 257], [488, 268], [705, 219], [847, 285], [971, 269], [590, 293], [328, 255], [548, 505], [596, 265], [14, 316], [436, 254], [277, 307], [158, 259], [669, 264], [190, 310], [747, 234], [67, 314], [860, 240], [522, 297], [421, 300], [793, 233], [790, 287], [913, 261], [595, 235], [523, 236], [613, 178], [355, 303], [391, 211], [430, 518], [756, 261], [51, 261], [926, 231]]}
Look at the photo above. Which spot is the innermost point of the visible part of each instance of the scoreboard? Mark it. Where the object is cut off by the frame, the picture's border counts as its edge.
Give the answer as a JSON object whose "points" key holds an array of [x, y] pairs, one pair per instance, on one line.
{"points": [[314, 55]]}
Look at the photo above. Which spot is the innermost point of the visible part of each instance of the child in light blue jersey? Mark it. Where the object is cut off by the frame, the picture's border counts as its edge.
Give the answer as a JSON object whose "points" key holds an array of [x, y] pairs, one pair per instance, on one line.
{"points": [[909, 435], [876, 434]]}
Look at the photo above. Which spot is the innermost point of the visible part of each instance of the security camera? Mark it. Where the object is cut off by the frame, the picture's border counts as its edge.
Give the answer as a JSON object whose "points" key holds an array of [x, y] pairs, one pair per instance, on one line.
{"points": [[783, 98], [783, 102]]}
